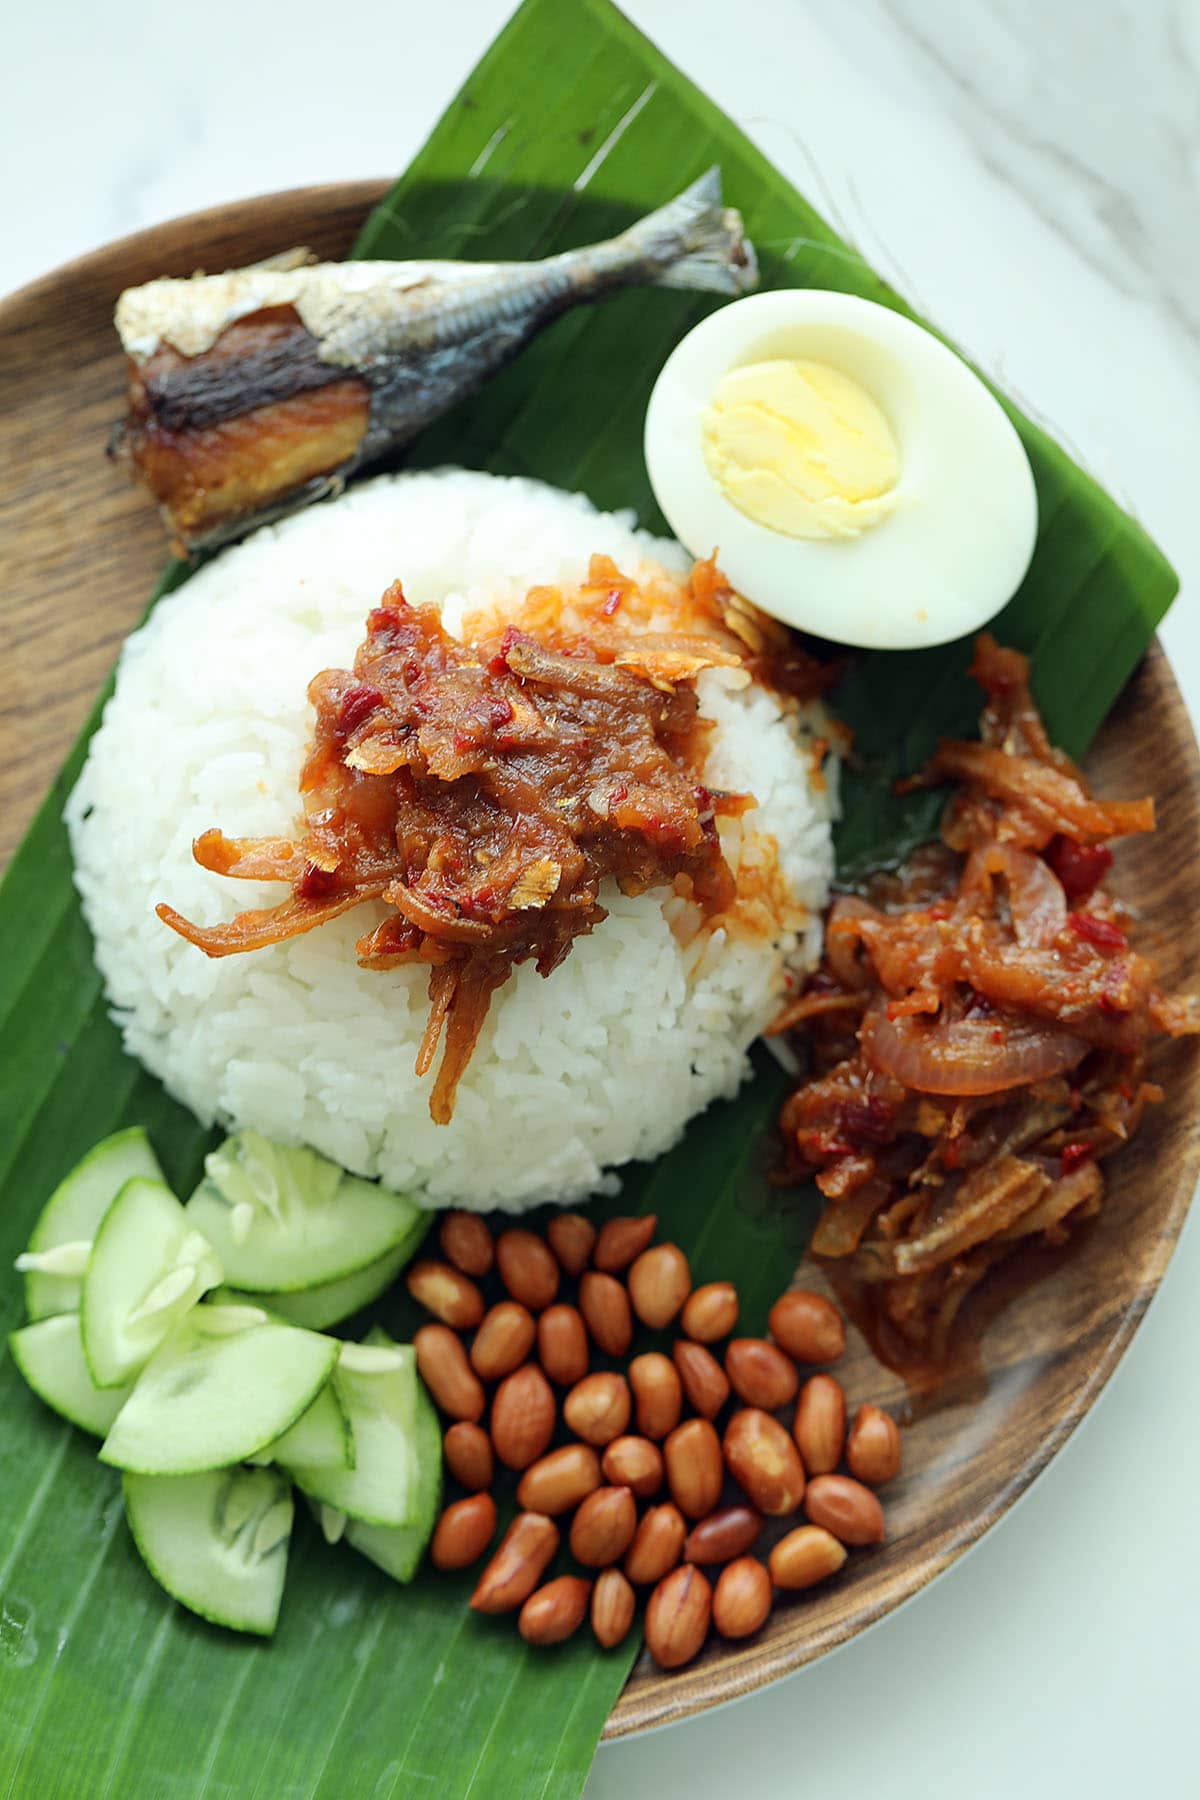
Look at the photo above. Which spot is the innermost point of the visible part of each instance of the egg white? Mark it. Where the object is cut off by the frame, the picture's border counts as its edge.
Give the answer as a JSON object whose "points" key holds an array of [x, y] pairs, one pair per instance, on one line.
{"points": [[960, 539]]}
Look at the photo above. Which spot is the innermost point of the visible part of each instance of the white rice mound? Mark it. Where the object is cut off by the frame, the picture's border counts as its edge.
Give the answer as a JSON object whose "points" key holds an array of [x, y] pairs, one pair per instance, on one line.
{"points": [[574, 1074]]}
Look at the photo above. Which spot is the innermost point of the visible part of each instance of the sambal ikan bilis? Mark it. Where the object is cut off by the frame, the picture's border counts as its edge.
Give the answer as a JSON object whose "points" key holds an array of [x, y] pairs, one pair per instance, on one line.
{"points": [[979, 1028], [484, 791]]}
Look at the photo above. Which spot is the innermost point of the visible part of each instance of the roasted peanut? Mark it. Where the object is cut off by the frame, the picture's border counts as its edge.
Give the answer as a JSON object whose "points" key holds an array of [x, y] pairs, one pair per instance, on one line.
{"points": [[602, 1529], [873, 1447], [527, 1268], [446, 1292], [657, 1394], [597, 1408], [704, 1380], [463, 1532], [553, 1612], [613, 1603], [571, 1238], [764, 1462], [466, 1242], [808, 1326], [635, 1463], [559, 1480], [819, 1427], [522, 1417], [677, 1617], [605, 1308], [692, 1455], [659, 1283], [469, 1458], [846, 1508], [760, 1374], [447, 1374], [723, 1535], [742, 1598], [503, 1341], [517, 1567], [805, 1556], [710, 1312], [562, 1344], [657, 1545], [620, 1240]]}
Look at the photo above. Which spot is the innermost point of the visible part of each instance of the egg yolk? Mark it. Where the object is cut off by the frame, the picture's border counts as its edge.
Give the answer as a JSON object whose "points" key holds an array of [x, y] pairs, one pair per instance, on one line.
{"points": [[801, 448]]}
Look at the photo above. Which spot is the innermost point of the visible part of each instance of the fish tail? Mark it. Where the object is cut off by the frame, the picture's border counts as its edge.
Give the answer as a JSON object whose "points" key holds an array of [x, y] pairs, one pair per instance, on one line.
{"points": [[695, 242]]}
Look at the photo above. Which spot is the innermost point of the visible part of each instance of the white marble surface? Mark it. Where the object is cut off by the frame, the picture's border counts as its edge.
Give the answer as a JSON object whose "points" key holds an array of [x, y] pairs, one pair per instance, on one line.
{"points": [[1027, 171]]}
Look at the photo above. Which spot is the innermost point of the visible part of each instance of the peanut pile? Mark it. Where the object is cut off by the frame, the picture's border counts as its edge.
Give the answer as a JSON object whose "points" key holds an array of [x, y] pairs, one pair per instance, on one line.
{"points": [[532, 1343]]}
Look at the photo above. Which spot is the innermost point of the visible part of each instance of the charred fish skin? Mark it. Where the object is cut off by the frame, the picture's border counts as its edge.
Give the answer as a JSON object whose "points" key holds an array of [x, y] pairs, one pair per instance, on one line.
{"points": [[255, 392]]}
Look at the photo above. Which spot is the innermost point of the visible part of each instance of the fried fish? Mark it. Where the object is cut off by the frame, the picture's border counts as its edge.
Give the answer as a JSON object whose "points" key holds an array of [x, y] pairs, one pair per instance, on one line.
{"points": [[254, 392]]}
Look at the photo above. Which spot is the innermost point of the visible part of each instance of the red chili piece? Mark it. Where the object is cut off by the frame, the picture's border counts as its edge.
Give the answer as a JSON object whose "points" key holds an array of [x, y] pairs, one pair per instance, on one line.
{"points": [[1101, 932], [867, 1121], [1080, 868], [315, 883], [358, 703], [391, 620], [498, 665]]}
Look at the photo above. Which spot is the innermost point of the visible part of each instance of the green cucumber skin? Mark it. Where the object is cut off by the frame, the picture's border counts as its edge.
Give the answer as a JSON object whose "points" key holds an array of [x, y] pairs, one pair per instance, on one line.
{"points": [[331, 1302], [71, 1213], [138, 1490], [49, 1354], [317, 1308]]}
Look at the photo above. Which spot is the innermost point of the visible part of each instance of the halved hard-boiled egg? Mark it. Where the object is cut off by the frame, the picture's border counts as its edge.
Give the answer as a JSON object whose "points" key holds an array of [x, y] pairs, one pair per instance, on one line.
{"points": [[856, 479]]}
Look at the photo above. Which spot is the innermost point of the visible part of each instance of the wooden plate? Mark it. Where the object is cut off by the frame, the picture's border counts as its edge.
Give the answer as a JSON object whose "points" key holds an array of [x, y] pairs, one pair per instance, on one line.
{"points": [[80, 550]]}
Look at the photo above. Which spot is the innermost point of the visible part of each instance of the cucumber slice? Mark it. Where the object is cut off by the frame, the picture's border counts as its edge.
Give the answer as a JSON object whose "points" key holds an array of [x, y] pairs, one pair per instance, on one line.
{"points": [[397, 1549], [285, 1221], [333, 1301], [49, 1354], [226, 1383], [71, 1218], [217, 1542], [321, 1437], [148, 1266], [378, 1386]]}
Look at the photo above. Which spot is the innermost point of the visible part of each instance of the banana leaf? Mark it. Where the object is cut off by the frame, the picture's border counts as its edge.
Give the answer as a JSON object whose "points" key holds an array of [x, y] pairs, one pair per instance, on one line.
{"points": [[560, 136]]}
